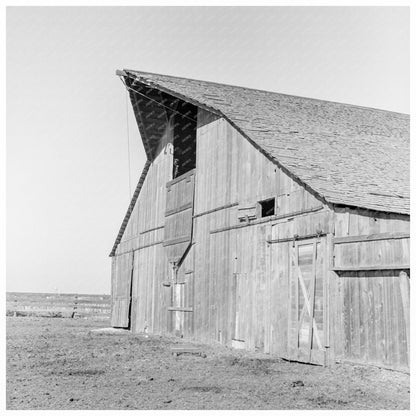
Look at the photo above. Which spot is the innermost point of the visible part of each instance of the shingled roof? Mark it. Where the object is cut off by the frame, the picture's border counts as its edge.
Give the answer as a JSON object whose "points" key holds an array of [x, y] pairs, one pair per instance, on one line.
{"points": [[349, 155]]}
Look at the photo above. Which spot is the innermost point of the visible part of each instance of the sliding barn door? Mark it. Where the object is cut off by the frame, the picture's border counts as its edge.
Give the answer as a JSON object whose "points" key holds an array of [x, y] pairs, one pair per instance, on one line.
{"points": [[307, 301], [122, 270], [178, 216]]}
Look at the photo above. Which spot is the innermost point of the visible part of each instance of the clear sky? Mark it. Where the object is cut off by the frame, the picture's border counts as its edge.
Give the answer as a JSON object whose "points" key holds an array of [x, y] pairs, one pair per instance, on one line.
{"points": [[67, 165]]}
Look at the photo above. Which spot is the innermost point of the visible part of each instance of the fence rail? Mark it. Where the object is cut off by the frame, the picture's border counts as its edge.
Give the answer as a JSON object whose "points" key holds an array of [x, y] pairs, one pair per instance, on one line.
{"points": [[70, 305]]}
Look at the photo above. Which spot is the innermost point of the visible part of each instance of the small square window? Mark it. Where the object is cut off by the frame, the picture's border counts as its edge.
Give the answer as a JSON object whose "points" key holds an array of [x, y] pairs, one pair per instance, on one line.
{"points": [[266, 207]]}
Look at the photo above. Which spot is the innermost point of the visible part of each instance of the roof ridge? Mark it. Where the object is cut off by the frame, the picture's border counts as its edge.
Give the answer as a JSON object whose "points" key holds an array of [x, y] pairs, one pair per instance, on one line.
{"points": [[269, 92]]}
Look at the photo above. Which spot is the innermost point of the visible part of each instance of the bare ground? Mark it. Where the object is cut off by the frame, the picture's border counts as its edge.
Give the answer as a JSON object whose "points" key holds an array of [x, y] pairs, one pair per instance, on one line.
{"points": [[58, 363]]}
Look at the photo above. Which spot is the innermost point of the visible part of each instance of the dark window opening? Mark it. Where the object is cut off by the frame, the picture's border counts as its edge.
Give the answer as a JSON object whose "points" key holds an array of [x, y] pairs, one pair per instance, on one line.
{"points": [[267, 207], [184, 138]]}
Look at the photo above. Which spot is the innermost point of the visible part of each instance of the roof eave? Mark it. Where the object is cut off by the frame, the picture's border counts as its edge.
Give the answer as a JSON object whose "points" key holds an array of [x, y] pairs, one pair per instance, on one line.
{"points": [[286, 170], [130, 208]]}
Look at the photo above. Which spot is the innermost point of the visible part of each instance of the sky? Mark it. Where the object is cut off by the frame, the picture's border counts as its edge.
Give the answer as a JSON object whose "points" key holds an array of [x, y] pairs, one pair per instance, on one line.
{"points": [[68, 125]]}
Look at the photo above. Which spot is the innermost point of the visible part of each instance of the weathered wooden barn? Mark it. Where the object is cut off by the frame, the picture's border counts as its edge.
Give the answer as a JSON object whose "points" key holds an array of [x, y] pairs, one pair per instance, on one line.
{"points": [[266, 222]]}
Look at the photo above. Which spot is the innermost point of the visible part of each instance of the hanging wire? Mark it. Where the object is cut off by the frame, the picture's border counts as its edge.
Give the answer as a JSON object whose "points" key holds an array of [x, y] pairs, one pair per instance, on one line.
{"points": [[128, 141], [127, 121]]}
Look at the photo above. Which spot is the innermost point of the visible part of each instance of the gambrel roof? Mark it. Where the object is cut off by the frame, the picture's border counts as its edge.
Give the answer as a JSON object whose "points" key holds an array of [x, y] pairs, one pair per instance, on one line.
{"points": [[349, 155]]}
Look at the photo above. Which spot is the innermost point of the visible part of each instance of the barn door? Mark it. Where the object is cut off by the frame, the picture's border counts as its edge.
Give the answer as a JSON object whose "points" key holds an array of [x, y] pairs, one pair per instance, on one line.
{"points": [[178, 304], [306, 308], [178, 216], [182, 301], [122, 270]]}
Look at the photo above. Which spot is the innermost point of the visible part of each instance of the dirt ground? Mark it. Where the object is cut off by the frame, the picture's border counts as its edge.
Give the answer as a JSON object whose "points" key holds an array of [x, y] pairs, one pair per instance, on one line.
{"points": [[58, 363]]}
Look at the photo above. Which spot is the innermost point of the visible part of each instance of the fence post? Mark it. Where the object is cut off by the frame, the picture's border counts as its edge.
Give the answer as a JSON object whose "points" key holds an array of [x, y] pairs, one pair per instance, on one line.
{"points": [[75, 306]]}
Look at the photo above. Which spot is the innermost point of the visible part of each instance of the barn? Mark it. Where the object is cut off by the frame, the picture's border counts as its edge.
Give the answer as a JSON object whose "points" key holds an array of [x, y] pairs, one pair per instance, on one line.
{"points": [[266, 222]]}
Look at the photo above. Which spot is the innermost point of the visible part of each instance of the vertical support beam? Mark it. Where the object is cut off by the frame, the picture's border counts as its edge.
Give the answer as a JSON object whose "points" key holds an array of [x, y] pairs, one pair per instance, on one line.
{"points": [[290, 296], [268, 294], [173, 278], [233, 291], [131, 289], [297, 291], [327, 256], [312, 311], [405, 292]]}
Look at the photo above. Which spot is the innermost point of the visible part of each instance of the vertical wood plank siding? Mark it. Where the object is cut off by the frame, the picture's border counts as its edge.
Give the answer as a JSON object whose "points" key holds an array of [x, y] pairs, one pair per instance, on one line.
{"points": [[370, 309], [238, 286], [120, 293], [241, 282], [150, 299]]}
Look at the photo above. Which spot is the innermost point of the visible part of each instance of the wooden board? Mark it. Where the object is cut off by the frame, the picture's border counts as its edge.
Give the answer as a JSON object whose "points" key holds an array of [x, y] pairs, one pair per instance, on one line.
{"points": [[376, 318], [150, 297], [379, 254], [306, 337], [179, 216], [121, 290], [181, 307]]}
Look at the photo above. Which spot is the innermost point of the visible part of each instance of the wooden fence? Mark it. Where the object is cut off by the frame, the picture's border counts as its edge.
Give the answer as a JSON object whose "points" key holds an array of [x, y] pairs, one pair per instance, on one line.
{"points": [[66, 305]]}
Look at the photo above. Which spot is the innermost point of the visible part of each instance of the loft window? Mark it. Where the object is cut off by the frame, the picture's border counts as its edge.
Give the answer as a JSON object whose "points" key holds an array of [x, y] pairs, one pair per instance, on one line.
{"points": [[184, 139], [266, 207]]}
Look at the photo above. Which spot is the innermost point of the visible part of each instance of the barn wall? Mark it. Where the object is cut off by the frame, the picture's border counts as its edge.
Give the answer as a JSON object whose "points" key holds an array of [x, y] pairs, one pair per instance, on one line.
{"points": [[366, 313], [237, 274], [234, 287], [369, 309], [144, 236], [120, 290], [149, 210], [230, 170], [150, 299]]}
